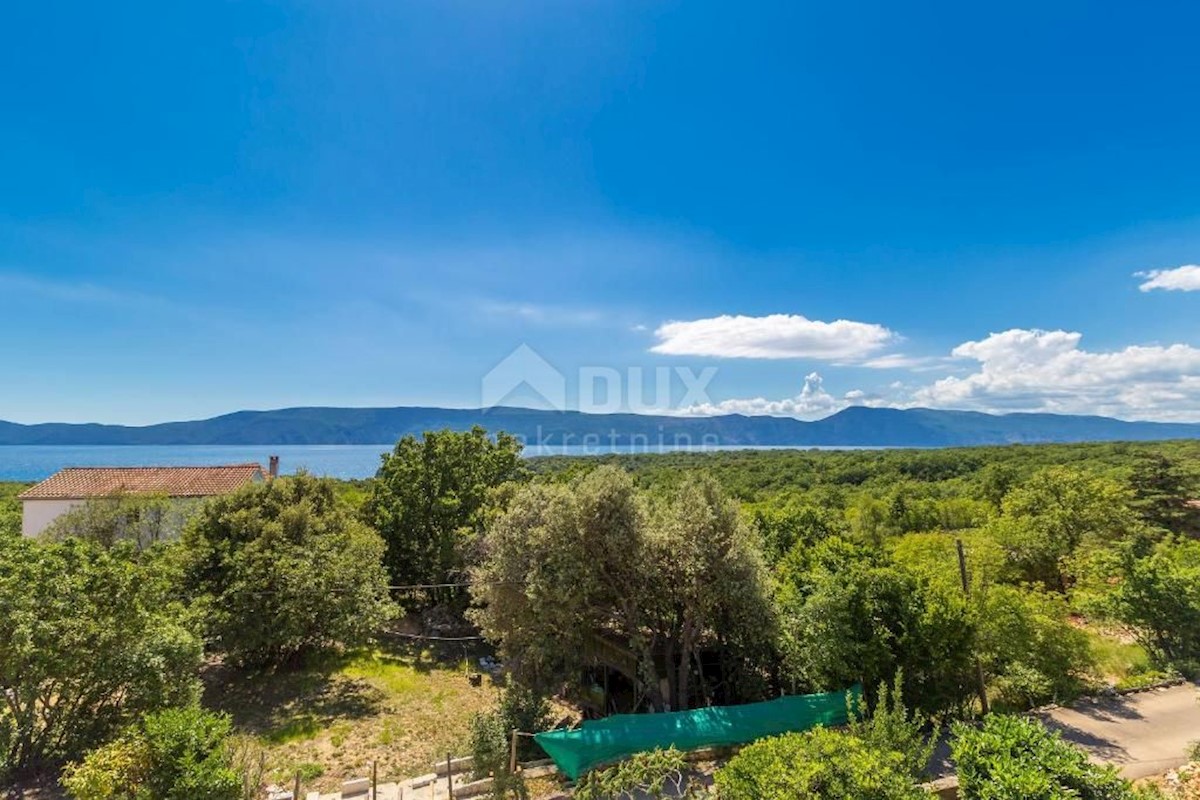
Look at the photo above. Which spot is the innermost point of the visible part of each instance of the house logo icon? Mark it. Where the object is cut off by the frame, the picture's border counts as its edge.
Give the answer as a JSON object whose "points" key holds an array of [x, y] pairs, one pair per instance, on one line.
{"points": [[524, 378]]}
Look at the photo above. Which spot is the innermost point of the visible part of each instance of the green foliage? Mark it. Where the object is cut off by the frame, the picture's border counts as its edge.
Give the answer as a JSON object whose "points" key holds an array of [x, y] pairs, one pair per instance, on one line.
{"points": [[1161, 490], [10, 509], [1159, 597], [817, 765], [89, 638], [144, 520], [519, 709], [1029, 649], [892, 727], [1048, 518], [175, 754], [428, 499], [281, 570], [656, 774], [852, 616], [570, 571], [1015, 758]]}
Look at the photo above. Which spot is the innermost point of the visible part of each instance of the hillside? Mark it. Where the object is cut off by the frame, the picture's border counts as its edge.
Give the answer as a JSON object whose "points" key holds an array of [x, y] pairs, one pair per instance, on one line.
{"points": [[859, 426]]}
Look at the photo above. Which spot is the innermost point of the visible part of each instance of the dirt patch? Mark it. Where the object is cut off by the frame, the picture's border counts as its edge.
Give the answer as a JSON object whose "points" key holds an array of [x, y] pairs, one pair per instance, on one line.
{"points": [[402, 707]]}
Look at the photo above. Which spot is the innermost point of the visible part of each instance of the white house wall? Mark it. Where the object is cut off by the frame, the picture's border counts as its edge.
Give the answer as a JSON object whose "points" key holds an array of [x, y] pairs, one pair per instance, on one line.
{"points": [[36, 515]]}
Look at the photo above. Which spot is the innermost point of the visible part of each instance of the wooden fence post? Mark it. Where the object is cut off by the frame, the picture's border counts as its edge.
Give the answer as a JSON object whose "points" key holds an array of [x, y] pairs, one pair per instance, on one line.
{"points": [[374, 781], [984, 706], [296, 787], [449, 779], [512, 753]]}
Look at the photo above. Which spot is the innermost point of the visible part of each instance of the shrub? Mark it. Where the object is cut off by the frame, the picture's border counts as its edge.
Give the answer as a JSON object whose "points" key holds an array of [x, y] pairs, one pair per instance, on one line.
{"points": [[817, 765], [177, 754], [90, 638], [282, 569], [1029, 647], [656, 774], [144, 520], [892, 727], [1014, 758], [519, 708]]}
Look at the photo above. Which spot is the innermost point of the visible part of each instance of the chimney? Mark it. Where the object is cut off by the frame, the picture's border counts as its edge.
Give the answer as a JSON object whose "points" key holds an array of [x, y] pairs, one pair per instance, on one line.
{"points": [[274, 468]]}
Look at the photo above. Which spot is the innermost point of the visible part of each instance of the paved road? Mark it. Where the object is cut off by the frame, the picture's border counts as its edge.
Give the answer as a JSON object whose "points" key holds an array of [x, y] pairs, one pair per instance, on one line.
{"points": [[1144, 734]]}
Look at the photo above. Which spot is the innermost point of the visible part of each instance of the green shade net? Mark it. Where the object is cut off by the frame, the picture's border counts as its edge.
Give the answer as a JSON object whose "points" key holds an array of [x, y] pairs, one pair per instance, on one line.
{"points": [[614, 738]]}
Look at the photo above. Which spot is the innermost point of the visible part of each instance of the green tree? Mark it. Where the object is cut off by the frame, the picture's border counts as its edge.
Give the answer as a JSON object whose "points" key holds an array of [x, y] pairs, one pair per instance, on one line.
{"points": [[569, 573], [144, 520], [1059, 510], [175, 754], [429, 499], [1015, 758], [89, 639], [1161, 491], [854, 617], [1159, 597], [282, 569], [1029, 649], [10, 510], [817, 765]]}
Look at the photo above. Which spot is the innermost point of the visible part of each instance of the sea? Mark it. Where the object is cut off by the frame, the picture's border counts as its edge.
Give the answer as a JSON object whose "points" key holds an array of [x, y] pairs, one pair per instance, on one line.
{"points": [[36, 462]]}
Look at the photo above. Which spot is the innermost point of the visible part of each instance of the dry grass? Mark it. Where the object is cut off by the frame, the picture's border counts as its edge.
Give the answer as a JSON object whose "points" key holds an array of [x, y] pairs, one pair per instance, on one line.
{"points": [[401, 707]]}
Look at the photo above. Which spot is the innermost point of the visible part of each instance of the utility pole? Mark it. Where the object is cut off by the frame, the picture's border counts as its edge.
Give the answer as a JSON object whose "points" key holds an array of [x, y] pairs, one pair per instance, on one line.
{"points": [[966, 587]]}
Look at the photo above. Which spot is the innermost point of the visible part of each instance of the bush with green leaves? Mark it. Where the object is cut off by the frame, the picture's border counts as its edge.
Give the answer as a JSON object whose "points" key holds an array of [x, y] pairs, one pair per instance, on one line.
{"points": [[10, 510], [1029, 649], [891, 727], [817, 765], [1016, 758], [144, 520], [281, 570], [175, 754], [1159, 597], [851, 615], [655, 774], [520, 709], [90, 639]]}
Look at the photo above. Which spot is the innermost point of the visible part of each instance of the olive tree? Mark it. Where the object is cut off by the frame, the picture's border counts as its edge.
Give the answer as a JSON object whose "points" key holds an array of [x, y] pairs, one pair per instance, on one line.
{"points": [[569, 571]]}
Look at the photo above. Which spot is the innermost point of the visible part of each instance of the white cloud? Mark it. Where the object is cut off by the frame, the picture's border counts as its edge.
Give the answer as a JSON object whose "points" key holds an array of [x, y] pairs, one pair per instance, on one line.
{"points": [[540, 314], [1035, 370], [812, 402], [901, 361], [1180, 279], [774, 336]]}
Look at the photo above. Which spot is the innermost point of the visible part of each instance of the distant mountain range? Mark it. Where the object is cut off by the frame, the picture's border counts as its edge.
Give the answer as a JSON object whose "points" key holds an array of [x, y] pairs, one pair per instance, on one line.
{"points": [[865, 427]]}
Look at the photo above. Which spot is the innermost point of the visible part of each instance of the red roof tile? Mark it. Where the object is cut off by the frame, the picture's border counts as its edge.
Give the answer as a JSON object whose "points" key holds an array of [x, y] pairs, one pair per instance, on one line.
{"points": [[78, 483]]}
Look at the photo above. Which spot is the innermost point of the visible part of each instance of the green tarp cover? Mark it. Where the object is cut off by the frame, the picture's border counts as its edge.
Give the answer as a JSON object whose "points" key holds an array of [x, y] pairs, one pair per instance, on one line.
{"points": [[614, 738]]}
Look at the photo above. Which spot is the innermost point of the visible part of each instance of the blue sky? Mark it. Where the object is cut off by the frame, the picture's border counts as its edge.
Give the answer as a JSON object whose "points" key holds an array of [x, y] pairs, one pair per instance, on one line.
{"points": [[213, 206]]}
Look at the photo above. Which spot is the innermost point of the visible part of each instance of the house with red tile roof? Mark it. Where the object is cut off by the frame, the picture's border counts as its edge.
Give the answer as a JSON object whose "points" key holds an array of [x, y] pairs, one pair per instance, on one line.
{"points": [[74, 486]]}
